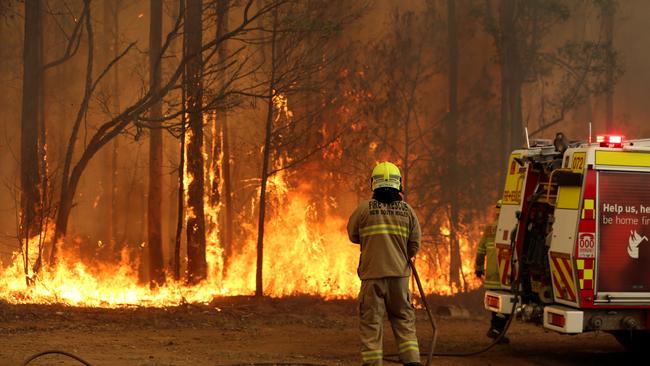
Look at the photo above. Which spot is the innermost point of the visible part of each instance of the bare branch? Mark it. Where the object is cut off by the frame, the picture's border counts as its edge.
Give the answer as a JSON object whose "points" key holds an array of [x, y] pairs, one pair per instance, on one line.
{"points": [[75, 39]]}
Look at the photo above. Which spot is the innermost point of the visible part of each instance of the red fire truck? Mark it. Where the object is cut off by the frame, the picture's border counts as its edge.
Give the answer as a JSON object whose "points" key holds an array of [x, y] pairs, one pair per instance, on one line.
{"points": [[573, 237]]}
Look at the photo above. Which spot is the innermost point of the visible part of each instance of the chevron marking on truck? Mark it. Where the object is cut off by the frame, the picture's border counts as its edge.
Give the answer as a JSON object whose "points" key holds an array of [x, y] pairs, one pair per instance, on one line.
{"points": [[563, 276], [504, 265]]}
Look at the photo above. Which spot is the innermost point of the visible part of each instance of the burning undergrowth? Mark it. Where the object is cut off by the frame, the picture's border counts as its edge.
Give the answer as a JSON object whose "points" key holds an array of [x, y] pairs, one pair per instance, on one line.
{"points": [[303, 258], [306, 248]]}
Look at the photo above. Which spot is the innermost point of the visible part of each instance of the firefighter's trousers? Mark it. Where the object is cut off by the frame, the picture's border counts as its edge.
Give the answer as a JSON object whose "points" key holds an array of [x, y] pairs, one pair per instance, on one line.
{"points": [[380, 296]]}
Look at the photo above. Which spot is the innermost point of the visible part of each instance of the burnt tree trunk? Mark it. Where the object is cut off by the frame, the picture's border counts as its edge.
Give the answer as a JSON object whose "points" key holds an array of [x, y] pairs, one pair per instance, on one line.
{"points": [[503, 123], [180, 198], [608, 12], [30, 182], [180, 211], [196, 260], [154, 212], [109, 177], [584, 112], [259, 281], [116, 106], [72, 173], [452, 139], [511, 73], [504, 127], [222, 119]]}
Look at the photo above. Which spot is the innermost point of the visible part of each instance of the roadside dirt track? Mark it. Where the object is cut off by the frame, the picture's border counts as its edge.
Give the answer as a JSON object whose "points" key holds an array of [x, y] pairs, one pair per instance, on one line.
{"points": [[293, 330]]}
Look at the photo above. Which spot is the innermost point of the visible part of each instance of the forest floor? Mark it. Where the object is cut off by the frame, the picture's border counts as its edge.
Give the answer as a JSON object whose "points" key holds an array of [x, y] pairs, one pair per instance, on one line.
{"points": [[299, 330]]}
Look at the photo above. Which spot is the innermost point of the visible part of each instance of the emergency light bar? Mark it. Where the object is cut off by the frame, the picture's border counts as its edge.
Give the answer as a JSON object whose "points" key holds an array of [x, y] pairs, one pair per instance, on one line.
{"points": [[610, 140]]}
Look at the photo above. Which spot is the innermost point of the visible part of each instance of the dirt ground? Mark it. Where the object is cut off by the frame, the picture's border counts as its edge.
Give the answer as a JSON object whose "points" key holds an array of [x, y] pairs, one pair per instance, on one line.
{"points": [[245, 330]]}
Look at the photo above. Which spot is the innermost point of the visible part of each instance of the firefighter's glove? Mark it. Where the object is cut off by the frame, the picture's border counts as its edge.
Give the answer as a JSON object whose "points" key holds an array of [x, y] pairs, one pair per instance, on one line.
{"points": [[479, 273]]}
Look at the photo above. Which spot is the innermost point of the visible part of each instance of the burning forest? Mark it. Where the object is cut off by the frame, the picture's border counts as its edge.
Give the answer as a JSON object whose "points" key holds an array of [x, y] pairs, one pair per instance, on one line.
{"points": [[235, 232], [180, 154]]}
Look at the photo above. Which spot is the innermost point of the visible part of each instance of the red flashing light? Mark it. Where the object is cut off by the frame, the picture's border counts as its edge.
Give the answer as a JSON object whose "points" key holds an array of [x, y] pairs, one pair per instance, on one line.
{"points": [[610, 140], [615, 139]]}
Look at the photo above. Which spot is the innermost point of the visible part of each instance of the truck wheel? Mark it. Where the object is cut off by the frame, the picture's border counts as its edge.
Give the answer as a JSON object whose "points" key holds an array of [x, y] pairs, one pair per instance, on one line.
{"points": [[633, 340]]}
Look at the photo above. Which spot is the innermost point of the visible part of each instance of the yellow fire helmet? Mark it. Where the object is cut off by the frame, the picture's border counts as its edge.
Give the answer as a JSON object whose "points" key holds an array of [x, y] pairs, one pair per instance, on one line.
{"points": [[386, 174]]}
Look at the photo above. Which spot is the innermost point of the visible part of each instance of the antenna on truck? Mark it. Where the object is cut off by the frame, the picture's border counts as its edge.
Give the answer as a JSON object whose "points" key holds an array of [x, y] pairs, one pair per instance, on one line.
{"points": [[590, 132], [527, 139]]}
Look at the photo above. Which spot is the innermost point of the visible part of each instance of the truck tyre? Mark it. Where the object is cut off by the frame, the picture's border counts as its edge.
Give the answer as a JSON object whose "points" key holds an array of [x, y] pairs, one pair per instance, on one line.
{"points": [[633, 340]]}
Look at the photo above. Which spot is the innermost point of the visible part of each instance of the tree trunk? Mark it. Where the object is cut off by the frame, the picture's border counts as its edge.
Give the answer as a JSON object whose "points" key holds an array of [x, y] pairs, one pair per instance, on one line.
{"points": [[504, 127], [154, 212], [452, 139], [511, 121], [517, 131], [222, 116], [42, 205], [181, 195], [511, 72], [180, 198], [608, 13], [503, 123], [116, 107], [109, 178], [30, 182], [196, 261], [259, 281]]}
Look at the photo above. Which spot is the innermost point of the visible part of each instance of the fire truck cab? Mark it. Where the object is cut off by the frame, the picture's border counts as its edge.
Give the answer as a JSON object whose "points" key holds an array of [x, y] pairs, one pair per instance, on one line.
{"points": [[573, 238]]}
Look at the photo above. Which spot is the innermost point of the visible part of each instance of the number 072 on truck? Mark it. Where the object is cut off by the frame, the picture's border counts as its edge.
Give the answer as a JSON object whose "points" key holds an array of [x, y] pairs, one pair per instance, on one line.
{"points": [[573, 238]]}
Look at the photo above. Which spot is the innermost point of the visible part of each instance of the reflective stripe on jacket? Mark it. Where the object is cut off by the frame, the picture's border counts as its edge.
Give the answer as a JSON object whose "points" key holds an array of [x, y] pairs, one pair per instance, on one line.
{"points": [[486, 258], [388, 234]]}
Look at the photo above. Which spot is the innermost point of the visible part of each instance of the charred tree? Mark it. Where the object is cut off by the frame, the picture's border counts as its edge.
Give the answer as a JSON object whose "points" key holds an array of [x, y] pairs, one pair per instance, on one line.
{"points": [[512, 77], [154, 212], [222, 120], [71, 175], [571, 72], [608, 12], [270, 107], [180, 207], [30, 180], [452, 148], [109, 177], [196, 260], [191, 64], [584, 113], [180, 192], [115, 143]]}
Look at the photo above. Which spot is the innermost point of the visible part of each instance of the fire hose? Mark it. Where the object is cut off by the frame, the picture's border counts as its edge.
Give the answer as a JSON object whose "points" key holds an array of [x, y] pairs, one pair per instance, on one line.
{"points": [[514, 287], [86, 363], [429, 354], [58, 352]]}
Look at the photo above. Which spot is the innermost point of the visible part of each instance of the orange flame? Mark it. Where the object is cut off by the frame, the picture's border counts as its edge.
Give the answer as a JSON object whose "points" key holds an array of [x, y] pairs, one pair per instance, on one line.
{"points": [[307, 252]]}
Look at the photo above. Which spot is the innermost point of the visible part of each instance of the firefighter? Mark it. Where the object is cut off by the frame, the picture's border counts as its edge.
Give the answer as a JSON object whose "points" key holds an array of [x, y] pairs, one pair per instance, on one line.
{"points": [[561, 142], [490, 268], [388, 231]]}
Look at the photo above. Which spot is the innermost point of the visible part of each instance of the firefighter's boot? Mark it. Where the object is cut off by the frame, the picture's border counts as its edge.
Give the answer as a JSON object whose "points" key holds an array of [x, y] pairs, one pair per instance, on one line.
{"points": [[497, 325], [493, 333]]}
